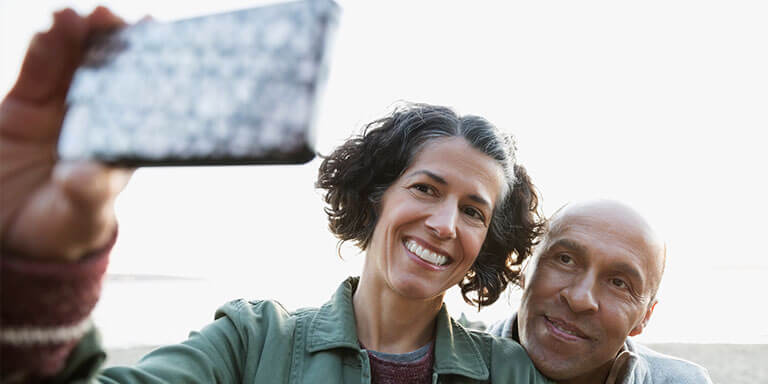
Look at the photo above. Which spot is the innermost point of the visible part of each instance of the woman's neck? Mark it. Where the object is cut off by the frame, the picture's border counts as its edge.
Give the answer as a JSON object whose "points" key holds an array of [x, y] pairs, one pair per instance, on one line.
{"points": [[387, 322]]}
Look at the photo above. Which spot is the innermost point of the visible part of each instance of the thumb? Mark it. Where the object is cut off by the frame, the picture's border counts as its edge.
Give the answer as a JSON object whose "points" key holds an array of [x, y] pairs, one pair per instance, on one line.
{"points": [[90, 184]]}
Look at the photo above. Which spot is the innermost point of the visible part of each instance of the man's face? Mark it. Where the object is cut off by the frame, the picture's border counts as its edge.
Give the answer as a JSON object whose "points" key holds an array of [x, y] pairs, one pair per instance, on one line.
{"points": [[590, 286]]}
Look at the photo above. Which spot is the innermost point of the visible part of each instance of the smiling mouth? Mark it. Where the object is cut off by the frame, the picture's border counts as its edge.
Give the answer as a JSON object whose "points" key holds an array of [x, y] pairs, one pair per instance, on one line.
{"points": [[425, 254], [565, 330]]}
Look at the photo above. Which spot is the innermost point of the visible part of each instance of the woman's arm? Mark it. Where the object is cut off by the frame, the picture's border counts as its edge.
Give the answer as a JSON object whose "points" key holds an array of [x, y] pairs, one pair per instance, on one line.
{"points": [[47, 334], [57, 220]]}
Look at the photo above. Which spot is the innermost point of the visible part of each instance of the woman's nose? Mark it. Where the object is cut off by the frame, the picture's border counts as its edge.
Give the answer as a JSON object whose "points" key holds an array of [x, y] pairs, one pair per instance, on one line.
{"points": [[442, 221]]}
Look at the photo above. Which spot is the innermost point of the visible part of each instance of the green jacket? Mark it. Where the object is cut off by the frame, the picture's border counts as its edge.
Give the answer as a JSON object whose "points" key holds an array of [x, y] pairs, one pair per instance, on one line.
{"points": [[261, 342]]}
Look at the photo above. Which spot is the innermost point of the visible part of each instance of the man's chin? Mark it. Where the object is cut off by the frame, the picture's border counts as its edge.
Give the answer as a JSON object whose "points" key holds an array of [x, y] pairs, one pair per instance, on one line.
{"points": [[558, 373], [556, 367]]}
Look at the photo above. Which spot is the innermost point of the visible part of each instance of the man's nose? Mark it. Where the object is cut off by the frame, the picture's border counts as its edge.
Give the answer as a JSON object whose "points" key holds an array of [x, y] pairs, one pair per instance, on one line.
{"points": [[580, 295], [442, 221]]}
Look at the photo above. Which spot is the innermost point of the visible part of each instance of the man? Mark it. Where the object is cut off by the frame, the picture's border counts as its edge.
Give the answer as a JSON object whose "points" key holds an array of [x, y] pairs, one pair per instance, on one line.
{"points": [[590, 285]]}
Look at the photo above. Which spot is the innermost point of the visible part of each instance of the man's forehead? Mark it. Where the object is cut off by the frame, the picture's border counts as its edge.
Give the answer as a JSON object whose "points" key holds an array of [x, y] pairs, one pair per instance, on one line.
{"points": [[606, 222], [611, 216]]}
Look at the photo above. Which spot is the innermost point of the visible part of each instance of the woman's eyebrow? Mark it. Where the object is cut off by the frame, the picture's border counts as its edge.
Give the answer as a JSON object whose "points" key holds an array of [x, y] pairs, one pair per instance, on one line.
{"points": [[438, 179], [431, 175]]}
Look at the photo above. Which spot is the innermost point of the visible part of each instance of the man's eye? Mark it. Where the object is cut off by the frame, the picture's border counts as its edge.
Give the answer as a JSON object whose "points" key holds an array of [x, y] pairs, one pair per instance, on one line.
{"points": [[619, 283], [566, 259]]}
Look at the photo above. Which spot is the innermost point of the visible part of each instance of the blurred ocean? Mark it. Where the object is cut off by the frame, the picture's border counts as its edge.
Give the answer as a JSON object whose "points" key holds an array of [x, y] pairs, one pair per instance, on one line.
{"points": [[724, 305]]}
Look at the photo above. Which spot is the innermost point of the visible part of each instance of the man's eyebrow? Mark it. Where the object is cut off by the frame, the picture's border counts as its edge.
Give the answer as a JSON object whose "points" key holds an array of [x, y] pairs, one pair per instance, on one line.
{"points": [[438, 179], [629, 270], [568, 244]]}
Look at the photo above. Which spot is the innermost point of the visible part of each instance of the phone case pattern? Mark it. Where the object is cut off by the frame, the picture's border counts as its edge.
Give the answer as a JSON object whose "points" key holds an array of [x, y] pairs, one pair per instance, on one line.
{"points": [[232, 88]]}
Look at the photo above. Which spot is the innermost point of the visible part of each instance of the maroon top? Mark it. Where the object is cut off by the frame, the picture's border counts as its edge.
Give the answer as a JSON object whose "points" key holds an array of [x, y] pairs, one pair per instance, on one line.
{"points": [[394, 372]]}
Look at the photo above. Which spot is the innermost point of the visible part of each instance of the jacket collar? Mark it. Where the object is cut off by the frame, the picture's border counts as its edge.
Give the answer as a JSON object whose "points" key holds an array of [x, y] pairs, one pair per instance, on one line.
{"points": [[455, 351], [334, 324]]}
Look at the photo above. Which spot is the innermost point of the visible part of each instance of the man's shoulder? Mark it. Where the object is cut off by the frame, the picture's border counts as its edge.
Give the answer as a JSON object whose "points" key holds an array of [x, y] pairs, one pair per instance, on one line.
{"points": [[502, 328], [669, 369]]}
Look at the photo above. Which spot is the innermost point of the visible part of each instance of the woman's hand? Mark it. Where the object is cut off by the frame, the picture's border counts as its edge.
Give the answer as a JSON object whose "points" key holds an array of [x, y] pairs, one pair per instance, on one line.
{"points": [[52, 210]]}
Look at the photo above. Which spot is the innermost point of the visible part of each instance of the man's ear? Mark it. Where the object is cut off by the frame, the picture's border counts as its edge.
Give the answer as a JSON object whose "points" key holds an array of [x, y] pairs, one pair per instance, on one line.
{"points": [[526, 270], [639, 328]]}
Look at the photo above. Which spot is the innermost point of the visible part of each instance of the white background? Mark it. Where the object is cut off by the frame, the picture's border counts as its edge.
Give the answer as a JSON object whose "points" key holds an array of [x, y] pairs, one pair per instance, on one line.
{"points": [[662, 104]]}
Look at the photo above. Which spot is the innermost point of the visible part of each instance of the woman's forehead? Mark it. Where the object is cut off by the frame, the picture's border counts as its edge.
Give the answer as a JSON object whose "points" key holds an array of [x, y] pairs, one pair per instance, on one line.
{"points": [[454, 161]]}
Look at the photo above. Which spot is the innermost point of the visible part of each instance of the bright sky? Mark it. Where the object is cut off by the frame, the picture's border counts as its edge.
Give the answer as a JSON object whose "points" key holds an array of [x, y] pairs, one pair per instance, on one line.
{"points": [[659, 103]]}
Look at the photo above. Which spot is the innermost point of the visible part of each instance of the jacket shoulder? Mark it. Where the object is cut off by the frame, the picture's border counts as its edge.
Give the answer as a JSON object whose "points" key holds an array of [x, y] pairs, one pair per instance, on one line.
{"points": [[670, 369], [261, 307], [262, 314]]}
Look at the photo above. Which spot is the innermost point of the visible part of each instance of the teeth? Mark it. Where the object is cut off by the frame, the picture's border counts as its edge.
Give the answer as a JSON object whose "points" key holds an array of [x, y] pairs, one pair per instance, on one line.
{"points": [[565, 330], [568, 331], [425, 254]]}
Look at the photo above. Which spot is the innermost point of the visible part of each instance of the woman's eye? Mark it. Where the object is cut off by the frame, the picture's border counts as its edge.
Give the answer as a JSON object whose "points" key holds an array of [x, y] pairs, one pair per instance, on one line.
{"points": [[424, 188], [474, 213]]}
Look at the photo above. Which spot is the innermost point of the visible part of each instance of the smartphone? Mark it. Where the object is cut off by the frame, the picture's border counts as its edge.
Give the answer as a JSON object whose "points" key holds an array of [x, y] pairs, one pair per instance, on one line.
{"points": [[240, 87]]}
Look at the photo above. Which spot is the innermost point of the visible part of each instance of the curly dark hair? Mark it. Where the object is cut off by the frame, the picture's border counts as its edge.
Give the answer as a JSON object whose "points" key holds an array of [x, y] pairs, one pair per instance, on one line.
{"points": [[356, 175]]}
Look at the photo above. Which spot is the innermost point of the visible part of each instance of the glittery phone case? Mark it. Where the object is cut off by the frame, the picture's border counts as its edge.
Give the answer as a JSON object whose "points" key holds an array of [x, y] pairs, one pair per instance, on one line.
{"points": [[240, 87]]}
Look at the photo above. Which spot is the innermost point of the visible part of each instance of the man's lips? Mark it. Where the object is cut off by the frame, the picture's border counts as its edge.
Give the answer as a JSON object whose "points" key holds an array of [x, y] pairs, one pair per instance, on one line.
{"points": [[564, 329]]}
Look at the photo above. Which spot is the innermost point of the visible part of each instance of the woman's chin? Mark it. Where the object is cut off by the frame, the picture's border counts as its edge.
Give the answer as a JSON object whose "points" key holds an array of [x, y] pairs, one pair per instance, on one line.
{"points": [[417, 289]]}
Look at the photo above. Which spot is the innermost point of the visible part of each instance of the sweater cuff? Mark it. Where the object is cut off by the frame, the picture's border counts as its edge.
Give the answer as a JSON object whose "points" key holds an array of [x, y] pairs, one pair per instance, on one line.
{"points": [[46, 310]]}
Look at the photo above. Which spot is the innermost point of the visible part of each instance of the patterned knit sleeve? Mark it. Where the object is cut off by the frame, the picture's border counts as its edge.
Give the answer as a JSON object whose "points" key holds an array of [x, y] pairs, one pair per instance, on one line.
{"points": [[45, 312]]}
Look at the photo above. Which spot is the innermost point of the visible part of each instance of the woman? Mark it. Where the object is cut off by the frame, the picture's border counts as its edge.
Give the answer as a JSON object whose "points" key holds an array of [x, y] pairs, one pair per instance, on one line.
{"points": [[434, 199]]}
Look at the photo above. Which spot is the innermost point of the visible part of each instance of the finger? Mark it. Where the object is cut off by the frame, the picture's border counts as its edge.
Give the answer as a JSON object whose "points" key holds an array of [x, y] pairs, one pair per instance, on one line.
{"points": [[146, 18], [53, 56], [102, 18], [50, 58]]}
